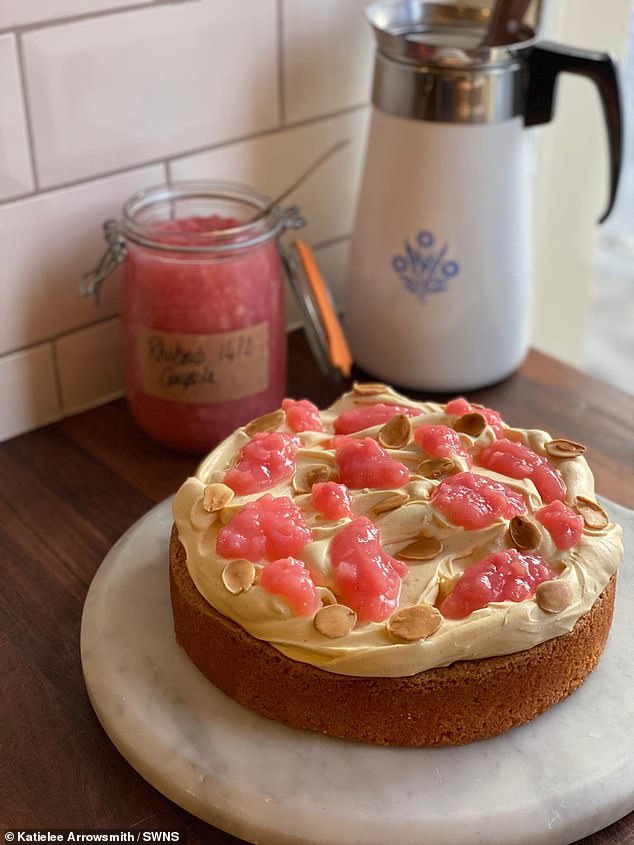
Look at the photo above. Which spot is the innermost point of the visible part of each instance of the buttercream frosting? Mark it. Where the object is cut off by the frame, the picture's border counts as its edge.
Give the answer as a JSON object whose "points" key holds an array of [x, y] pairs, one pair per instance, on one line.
{"points": [[368, 650]]}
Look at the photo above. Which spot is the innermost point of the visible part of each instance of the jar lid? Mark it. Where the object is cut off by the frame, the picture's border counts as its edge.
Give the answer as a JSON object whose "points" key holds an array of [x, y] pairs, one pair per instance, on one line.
{"points": [[322, 327]]}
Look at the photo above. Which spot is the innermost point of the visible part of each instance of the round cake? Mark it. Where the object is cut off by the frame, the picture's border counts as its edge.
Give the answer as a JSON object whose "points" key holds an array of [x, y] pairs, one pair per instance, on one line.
{"points": [[393, 572]]}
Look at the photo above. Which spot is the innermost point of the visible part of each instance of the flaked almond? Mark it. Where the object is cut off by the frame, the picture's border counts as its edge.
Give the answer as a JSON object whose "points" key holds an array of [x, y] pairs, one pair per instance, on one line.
{"points": [[472, 424], [327, 596], [563, 448], [390, 503], [553, 596], [308, 475], [593, 514], [414, 623], [369, 388], [436, 467], [268, 422], [335, 620], [523, 533], [216, 497], [238, 576], [425, 548], [227, 514], [395, 434]]}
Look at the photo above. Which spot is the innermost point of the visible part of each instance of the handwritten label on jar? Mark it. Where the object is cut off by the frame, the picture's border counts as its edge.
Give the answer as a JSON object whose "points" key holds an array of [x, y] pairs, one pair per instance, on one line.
{"points": [[205, 368]]}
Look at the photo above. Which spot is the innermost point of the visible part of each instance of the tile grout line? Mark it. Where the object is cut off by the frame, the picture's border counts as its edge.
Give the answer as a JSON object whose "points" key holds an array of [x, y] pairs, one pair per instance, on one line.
{"points": [[28, 122], [170, 160], [49, 23], [280, 62], [60, 335], [337, 239]]}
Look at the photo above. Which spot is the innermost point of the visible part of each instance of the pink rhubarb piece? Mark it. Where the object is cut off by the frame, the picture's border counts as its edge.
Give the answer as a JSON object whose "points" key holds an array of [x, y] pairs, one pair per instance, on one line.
{"points": [[364, 463], [331, 499], [290, 579], [562, 523], [267, 459], [440, 441], [266, 529], [366, 416], [366, 578], [302, 415], [460, 406], [474, 501], [518, 461], [503, 576]]}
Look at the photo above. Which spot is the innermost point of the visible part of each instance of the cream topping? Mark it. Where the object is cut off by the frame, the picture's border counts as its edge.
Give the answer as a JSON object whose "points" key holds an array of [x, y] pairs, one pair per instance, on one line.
{"points": [[369, 650]]}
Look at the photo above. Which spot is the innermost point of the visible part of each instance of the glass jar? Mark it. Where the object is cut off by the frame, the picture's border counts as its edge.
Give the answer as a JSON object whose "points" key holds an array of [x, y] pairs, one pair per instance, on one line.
{"points": [[202, 308]]}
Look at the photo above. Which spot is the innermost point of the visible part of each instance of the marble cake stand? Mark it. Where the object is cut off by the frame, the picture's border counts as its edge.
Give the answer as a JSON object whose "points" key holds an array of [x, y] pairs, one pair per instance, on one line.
{"points": [[566, 775]]}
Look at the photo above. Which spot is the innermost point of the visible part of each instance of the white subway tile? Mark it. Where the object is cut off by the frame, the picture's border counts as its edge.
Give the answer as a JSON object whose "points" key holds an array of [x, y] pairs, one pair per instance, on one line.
{"points": [[90, 366], [47, 242], [20, 12], [15, 167], [123, 89], [328, 55], [27, 380], [272, 162]]}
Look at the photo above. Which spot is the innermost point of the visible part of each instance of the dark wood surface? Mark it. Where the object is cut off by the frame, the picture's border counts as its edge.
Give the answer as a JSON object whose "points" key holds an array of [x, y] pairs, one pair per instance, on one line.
{"points": [[69, 490]]}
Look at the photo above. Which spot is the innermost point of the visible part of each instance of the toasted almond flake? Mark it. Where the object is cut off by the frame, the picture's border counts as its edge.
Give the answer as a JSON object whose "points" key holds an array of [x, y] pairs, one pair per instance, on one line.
{"points": [[563, 448], [554, 596], [268, 422], [327, 596], [472, 424], [396, 433], [524, 533], [308, 474], [436, 467], [414, 623], [238, 576], [390, 503], [593, 514], [335, 620], [369, 388], [425, 548], [227, 514], [216, 497]]}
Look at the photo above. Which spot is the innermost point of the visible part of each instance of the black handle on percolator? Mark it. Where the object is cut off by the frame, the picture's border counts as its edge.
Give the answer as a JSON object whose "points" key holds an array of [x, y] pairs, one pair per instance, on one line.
{"points": [[545, 62]]}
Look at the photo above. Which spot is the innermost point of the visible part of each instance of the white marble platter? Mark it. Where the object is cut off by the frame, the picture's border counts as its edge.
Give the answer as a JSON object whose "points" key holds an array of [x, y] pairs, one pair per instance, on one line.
{"points": [[564, 776]]}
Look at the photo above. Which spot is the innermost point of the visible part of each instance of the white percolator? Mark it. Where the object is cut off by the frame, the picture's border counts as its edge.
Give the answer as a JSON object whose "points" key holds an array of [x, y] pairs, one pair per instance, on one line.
{"points": [[439, 289]]}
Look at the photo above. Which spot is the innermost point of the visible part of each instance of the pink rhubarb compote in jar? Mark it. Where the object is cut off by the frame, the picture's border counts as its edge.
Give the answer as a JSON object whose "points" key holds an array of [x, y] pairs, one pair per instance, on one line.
{"points": [[203, 313]]}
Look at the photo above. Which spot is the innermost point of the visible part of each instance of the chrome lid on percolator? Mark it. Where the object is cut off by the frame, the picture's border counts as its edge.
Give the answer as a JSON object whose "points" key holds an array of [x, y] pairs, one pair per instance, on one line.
{"points": [[444, 34]]}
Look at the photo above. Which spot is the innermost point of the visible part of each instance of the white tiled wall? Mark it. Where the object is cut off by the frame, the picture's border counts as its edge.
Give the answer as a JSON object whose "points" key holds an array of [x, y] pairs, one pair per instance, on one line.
{"points": [[327, 56], [102, 97], [15, 167]]}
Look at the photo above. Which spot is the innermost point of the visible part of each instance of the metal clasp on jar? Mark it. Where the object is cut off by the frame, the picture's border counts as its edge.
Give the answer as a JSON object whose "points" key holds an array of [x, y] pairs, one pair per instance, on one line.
{"points": [[90, 283], [292, 217]]}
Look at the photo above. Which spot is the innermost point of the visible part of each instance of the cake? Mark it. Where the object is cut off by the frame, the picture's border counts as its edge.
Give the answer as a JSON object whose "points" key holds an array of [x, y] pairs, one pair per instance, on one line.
{"points": [[393, 572]]}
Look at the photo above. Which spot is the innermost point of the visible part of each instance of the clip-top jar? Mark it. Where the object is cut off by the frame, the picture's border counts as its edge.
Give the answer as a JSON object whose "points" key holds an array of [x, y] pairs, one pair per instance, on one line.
{"points": [[202, 308]]}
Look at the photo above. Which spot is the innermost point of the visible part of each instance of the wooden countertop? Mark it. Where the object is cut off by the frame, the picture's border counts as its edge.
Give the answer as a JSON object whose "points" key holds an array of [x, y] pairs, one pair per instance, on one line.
{"points": [[71, 489]]}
